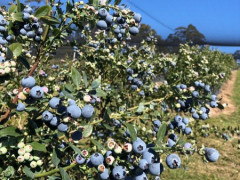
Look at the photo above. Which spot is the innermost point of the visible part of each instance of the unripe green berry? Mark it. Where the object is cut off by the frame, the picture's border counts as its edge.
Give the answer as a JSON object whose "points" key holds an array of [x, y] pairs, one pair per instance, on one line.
{"points": [[36, 158], [39, 162], [20, 145], [3, 150], [20, 158], [28, 148], [21, 151], [33, 164], [27, 156]]}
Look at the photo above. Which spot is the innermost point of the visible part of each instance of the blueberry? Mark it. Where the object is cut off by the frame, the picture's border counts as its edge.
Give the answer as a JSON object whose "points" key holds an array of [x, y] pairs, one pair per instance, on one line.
{"points": [[204, 116], [187, 145], [192, 110], [2, 29], [109, 153], [28, 10], [2, 59], [130, 71], [36, 92], [185, 120], [3, 21], [187, 130], [173, 161], [213, 97], [201, 84], [170, 143], [137, 17], [156, 169], [87, 111], [74, 111], [122, 31], [139, 146], [23, 32], [62, 127], [149, 155], [80, 159], [195, 94], [183, 86], [109, 19], [173, 137], [118, 172], [134, 87], [26, 16], [203, 109], [141, 176], [130, 78], [117, 30], [35, 26], [101, 24], [211, 154], [213, 104], [207, 88], [71, 102], [37, 38], [139, 83], [97, 159], [116, 123], [102, 12], [104, 175], [121, 20], [143, 164], [157, 123], [54, 102], [177, 118], [3, 41], [28, 82], [141, 93], [40, 31], [31, 34], [9, 37], [27, 27], [133, 30], [181, 126], [76, 135], [20, 107], [197, 83], [47, 116], [54, 121], [172, 125], [195, 115]]}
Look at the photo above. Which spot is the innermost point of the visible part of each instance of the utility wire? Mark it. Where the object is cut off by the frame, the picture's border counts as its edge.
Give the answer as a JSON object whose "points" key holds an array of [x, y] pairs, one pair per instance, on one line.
{"points": [[152, 17]]}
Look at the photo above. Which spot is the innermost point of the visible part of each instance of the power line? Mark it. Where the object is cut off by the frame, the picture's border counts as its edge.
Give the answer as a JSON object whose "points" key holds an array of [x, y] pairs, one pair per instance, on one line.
{"points": [[152, 17]]}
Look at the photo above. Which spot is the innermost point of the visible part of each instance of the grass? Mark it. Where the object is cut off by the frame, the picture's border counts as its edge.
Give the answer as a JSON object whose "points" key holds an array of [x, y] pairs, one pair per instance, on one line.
{"points": [[228, 165]]}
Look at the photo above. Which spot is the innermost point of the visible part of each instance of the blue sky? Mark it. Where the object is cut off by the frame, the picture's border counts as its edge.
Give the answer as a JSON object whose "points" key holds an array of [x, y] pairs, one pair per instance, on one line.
{"points": [[218, 20]]}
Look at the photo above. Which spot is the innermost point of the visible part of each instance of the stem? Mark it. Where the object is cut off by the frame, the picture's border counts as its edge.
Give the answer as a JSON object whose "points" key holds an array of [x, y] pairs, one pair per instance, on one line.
{"points": [[54, 171]]}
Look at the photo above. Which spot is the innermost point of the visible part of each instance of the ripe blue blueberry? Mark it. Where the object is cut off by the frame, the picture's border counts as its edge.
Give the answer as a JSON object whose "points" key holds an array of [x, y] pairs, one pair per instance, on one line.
{"points": [[213, 104], [143, 164], [101, 24], [181, 126], [62, 127], [149, 155], [54, 121], [133, 30], [102, 12], [28, 10], [76, 135], [195, 94], [134, 87], [196, 83], [185, 120], [137, 17], [31, 34], [2, 29], [23, 32], [20, 107], [213, 97], [139, 146], [104, 175], [201, 84], [173, 161], [74, 111], [183, 86], [170, 143], [156, 169], [54, 102], [141, 93], [130, 71], [28, 82], [207, 88], [141, 176], [172, 125], [71, 102], [109, 19], [9, 37], [37, 38], [130, 78], [173, 137], [47, 116], [119, 172], [204, 116], [121, 20], [187, 130], [195, 115], [87, 111], [97, 159], [187, 146], [211, 154], [80, 159], [36, 92], [178, 119]]}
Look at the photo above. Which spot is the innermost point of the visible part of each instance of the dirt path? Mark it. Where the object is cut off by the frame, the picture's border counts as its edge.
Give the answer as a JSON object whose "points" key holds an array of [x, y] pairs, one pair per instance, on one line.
{"points": [[226, 93]]}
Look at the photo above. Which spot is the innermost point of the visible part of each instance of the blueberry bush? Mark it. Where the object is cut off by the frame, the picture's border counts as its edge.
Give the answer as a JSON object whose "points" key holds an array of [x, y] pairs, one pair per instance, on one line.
{"points": [[113, 111]]}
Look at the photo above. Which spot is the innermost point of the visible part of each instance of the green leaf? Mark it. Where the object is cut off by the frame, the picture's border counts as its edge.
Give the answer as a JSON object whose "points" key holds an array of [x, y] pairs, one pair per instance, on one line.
{"points": [[75, 148], [17, 16], [96, 83], [24, 62], [67, 94], [43, 11], [117, 2], [49, 20], [140, 108], [9, 172], [76, 76], [87, 130], [55, 159], [28, 172], [85, 79], [14, 49], [64, 174], [9, 131], [100, 93], [161, 133], [131, 131], [94, 3], [108, 127], [99, 146], [12, 8], [38, 147], [20, 6]]}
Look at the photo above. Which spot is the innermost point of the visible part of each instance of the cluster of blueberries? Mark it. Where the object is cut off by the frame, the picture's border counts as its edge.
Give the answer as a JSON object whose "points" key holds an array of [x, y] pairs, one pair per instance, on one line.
{"points": [[72, 111], [30, 26], [4, 36], [137, 79], [107, 20]]}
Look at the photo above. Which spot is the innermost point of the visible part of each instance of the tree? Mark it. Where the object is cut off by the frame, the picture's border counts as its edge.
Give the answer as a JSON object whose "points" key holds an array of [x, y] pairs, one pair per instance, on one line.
{"points": [[236, 54]]}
